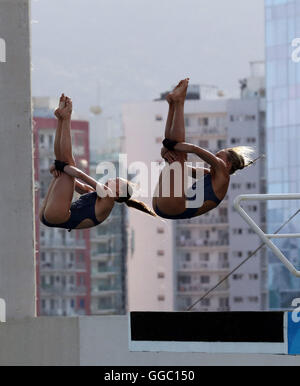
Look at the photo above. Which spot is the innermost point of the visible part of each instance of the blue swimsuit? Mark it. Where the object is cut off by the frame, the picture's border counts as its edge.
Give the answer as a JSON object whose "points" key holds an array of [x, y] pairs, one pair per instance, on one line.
{"points": [[82, 209], [209, 195]]}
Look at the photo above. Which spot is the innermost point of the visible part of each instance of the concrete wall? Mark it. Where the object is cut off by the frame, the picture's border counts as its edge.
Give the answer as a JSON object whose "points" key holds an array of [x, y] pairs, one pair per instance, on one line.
{"points": [[39, 341], [17, 269], [101, 341]]}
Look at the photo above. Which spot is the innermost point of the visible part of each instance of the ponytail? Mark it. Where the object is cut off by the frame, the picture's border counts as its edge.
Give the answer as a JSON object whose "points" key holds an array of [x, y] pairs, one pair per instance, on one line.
{"points": [[132, 203], [139, 205]]}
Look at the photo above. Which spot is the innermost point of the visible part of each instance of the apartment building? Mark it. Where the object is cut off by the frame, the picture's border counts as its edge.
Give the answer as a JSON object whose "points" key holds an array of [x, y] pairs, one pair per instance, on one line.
{"points": [[109, 252], [63, 258]]}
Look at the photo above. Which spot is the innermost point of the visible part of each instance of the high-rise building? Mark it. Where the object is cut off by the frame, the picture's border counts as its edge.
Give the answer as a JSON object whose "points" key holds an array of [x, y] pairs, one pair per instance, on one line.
{"points": [[173, 263], [109, 252], [246, 126], [63, 258], [150, 246], [283, 120]]}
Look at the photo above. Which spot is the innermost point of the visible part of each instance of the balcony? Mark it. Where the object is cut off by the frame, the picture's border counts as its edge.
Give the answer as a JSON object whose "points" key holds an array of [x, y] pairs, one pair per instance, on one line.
{"points": [[56, 289], [101, 238], [56, 243], [107, 271], [61, 267], [204, 131], [213, 221], [201, 243], [203, 267], [102, 257], [106, 289], [188, 289]]}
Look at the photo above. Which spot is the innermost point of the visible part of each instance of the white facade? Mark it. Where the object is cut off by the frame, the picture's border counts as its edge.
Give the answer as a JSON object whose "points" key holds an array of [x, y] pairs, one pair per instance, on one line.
{"points": [[150, 254], [248, 289]]}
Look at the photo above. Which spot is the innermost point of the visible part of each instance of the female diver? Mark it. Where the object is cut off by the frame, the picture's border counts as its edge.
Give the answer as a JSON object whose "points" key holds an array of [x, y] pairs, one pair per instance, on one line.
{"points": [[90, 209], [216, 178]]}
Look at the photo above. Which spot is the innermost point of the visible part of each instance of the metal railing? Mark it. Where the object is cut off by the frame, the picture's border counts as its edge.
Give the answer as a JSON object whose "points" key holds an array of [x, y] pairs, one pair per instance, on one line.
{"points": [[266, 238], [203, 267], [201, 243], [62, 243]]}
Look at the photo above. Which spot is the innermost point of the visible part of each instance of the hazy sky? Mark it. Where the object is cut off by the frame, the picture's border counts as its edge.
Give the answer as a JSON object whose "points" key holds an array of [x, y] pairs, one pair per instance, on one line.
{"points": [[135, 49]]}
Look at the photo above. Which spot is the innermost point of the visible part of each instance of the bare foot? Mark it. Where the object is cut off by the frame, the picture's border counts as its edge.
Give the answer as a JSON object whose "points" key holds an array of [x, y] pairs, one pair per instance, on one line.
{"points": [[66, 112], [169, 96], [62, 105], [179, 93]]}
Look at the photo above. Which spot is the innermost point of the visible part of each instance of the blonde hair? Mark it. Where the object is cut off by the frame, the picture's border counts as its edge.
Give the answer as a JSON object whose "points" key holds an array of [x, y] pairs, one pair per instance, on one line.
{"points": [[240, 157]]}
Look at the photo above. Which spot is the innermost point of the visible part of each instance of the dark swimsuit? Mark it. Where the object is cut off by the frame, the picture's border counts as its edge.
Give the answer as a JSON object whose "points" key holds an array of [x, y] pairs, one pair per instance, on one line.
{"points": [[209, 195], [82, 209]]}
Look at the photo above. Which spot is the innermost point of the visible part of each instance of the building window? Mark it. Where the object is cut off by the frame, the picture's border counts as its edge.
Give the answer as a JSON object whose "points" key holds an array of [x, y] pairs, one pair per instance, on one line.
{"points": [[184, 279], [223, 302], [161, 298], [205, 302], [238, 276], [160, 253], [160, 275], [82, 304], [203, 121], [237, 231], [238, 300], [221, 144], [252, 208], [187, 257], [253, 299], [250, 118], [160, 230], [158, 117], [101, 266], [253, 276], [105, 303], [204, 256], [237, 254], [82, 280], [204, 279], [187, 121], [50, 141]]}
